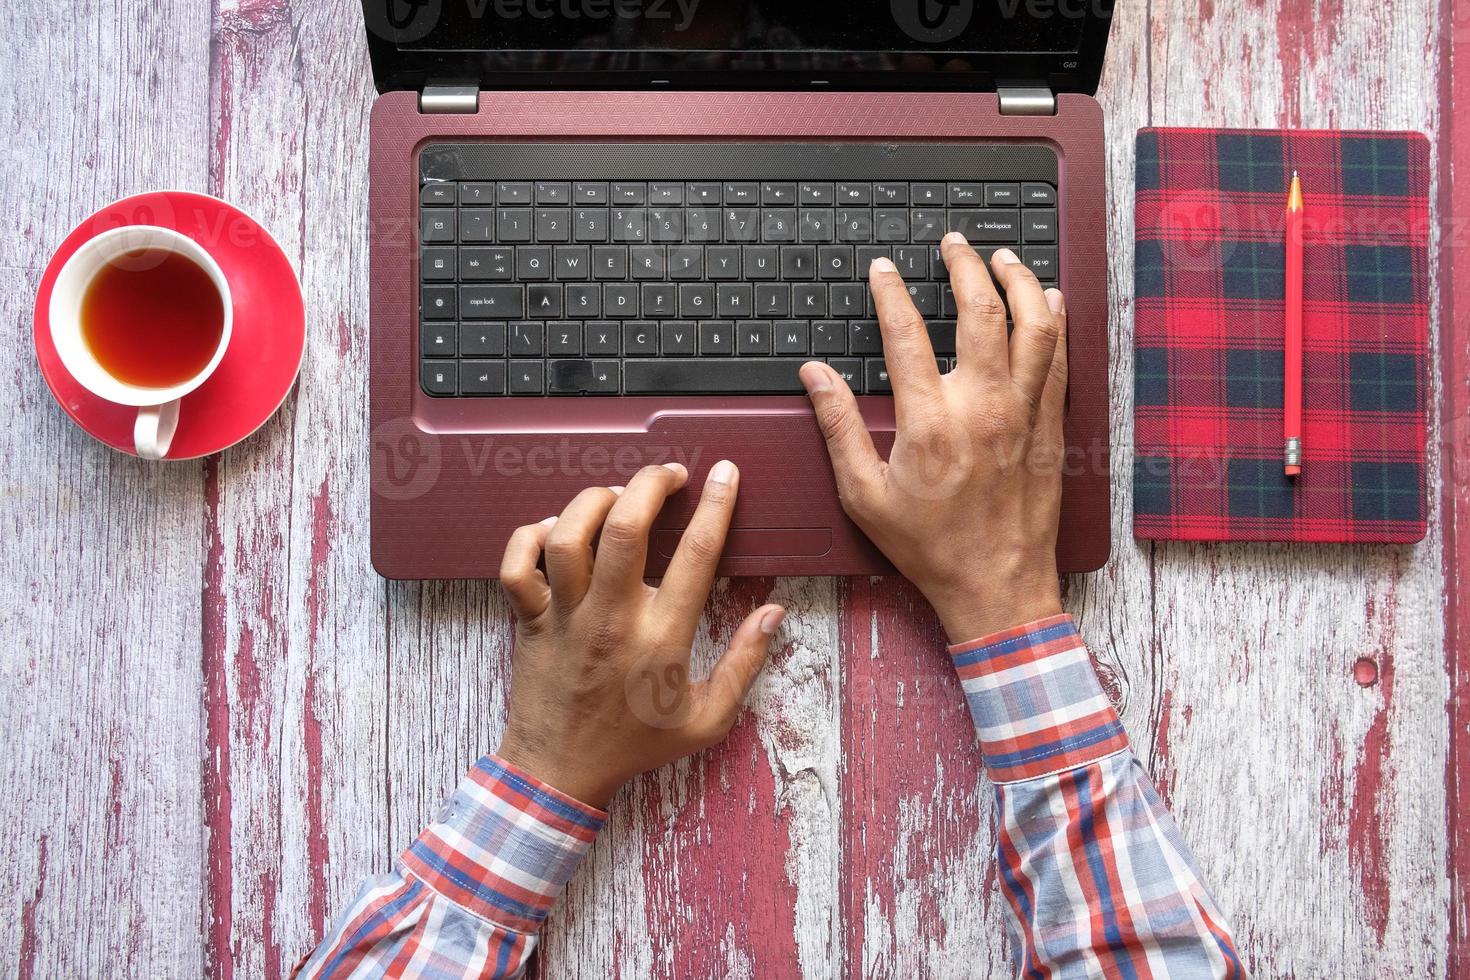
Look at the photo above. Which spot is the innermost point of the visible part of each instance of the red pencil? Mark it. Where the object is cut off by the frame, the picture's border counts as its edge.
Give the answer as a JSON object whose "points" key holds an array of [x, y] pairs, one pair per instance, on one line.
{"points": [[1294, 237]]}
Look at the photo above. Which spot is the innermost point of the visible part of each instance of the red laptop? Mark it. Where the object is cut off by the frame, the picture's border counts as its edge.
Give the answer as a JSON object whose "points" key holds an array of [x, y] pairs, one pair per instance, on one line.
{"points": [[606, 233]]}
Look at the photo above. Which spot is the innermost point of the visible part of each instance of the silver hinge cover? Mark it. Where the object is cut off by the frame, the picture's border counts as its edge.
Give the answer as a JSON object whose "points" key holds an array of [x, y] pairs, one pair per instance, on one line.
{"points": [[449, 98], [1027, 102]]}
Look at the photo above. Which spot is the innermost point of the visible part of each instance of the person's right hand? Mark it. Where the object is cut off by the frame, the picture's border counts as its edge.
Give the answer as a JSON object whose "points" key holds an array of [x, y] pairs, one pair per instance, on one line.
{"points": [[966, 506]]}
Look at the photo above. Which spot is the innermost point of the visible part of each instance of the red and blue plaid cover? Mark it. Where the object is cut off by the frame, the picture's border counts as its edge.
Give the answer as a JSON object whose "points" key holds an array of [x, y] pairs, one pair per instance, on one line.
{"points": [[1209, 325]]}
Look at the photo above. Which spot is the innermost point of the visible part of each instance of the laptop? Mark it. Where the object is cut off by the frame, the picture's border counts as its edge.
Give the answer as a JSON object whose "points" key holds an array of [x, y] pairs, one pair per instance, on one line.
{"points": [[606, 233]]}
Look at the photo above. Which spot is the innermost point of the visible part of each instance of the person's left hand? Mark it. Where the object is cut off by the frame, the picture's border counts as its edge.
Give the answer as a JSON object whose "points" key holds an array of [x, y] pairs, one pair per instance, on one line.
{"points": [[600, 687]]}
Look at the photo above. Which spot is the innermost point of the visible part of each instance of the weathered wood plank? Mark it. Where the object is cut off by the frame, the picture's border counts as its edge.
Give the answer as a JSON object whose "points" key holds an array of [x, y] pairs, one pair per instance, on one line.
{"points": [[100, 571]]}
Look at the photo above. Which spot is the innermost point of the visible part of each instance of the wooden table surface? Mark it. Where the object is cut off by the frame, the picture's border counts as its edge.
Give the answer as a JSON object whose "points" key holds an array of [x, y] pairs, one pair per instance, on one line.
{"points": [[217, 719]]}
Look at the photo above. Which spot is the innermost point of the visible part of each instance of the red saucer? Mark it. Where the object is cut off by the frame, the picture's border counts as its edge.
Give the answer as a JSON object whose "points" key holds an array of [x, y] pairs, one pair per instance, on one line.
{"points": [[264, 357]]}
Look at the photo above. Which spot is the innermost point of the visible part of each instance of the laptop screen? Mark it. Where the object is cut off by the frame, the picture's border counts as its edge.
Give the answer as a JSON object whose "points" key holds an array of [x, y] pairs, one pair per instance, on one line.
{"points": [[725, 43]]}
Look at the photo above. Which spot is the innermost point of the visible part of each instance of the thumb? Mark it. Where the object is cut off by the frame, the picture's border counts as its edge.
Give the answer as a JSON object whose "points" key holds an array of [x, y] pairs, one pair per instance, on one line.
{"points": [[848, 441], [737, 669]]}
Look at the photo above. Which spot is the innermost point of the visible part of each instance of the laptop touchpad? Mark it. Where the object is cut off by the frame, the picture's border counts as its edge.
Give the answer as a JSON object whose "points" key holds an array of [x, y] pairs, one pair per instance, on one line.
{"points": [[758, 542]]}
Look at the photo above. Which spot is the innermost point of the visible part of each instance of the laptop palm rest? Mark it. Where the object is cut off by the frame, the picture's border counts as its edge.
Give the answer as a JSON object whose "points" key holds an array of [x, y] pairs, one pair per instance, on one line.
{"points": [[758, 542]]}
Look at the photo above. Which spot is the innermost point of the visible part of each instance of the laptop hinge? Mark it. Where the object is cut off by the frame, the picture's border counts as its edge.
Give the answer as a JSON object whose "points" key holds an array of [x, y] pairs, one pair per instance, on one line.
{"points": [[449, 98], [1027, 102]]}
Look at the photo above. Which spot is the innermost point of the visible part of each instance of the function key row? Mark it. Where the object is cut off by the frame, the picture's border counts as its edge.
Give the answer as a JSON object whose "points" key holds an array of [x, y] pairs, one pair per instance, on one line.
{"points": [[510, 193]]}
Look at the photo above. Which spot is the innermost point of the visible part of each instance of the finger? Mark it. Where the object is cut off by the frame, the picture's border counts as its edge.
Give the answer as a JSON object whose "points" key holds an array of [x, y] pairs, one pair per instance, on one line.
{"points": [[980, 334], [1034, 339], [1054, 400], [622, 551], [906, 348], [522, 580], [738, 667], [569, 545], [855, 462], [691, 571]]}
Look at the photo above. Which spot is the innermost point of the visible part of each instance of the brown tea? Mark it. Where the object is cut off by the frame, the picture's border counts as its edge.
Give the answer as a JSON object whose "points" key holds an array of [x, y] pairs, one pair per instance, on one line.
{"points": [[152, 318]]}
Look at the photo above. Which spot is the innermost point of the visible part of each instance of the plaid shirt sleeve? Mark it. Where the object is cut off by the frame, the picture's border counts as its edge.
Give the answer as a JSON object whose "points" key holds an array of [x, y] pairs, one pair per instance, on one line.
{"points": [[469, 895], [1097, 876]]}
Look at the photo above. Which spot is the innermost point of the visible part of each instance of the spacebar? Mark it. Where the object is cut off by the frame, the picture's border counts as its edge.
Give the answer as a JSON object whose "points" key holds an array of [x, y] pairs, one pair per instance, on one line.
{"points": [[713, 376]]}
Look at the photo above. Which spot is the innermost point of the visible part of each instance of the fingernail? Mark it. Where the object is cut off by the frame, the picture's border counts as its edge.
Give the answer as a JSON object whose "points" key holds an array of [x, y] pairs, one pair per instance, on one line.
{"points": [[883, 264], [677, 468], [617, 490], [771, 621], [955, 238], [817, 379], [1006, 256], [550, 520], [722, 472], [1055, 300]]}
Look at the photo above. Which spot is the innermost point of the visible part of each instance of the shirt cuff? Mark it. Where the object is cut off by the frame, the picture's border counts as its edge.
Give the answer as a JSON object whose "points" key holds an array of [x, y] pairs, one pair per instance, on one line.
{"points": [[504, 845], [1036, 701]]}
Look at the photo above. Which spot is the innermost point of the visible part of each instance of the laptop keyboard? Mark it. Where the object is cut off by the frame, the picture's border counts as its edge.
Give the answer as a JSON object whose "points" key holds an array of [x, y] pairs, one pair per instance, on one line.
{"points": [[643, 270]]}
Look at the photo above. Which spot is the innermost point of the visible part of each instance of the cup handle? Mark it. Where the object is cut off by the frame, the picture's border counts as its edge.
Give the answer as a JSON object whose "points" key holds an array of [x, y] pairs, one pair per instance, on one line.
{"points": [[154, 431]]}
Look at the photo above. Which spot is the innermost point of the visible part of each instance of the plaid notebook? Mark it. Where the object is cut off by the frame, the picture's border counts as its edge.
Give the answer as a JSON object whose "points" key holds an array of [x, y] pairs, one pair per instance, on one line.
{"points": [[1211, 261]]}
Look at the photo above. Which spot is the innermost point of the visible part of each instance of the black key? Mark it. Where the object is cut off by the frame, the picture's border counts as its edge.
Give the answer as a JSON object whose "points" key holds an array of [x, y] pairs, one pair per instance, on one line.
{"points": [[526, 339], [491, 303], [485, 264], [742, 224], [791, 337], [926, 297], [640, 337], [629, 192], [477, 193], [610, 262], [778, 193], [678, 337], [544, 301], [702, 225], [854, 194], [895, 193], [553, 225], [926, 225], [966, 195], [742, 192], [659, 299], [513, 225], [864, 337], [854, 225], [697, 300], [772, 299], [589, 225], [865, 256], [778, 225], [553, 192], [1042, 260], [686, 262], [582, 378], [484, 339], [629, 225], [584, 301], [513, 192], [477, 225], [927, 195], [829, 337], [696, 377], [441, 194], [436, 339], [989, 227], [1038, 195], [571, 262], [798, 262], [941, 336], [666, 225], [809, 300], [753, 338], [816, 224], [947, 304], [716, 337], [438, 377], [589, 192], [814, 194], [834, 261], [436, 225], [851, 370], [847, 299], [702, 193], [563, 338], [722, 262], [734, 299], [600, 338], [663, 192], [482, 377], [912, 262], [891, 225], [437, 302], [533, 262], [527, 377], [877, 377], [646, 261], [620, 299], [1039, 227], [436, 263], [760, 261], [1002, 195]]}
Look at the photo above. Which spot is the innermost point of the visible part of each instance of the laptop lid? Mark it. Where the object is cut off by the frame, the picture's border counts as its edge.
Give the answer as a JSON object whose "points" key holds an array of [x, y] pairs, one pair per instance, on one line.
{"points": [[914, 45]]}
